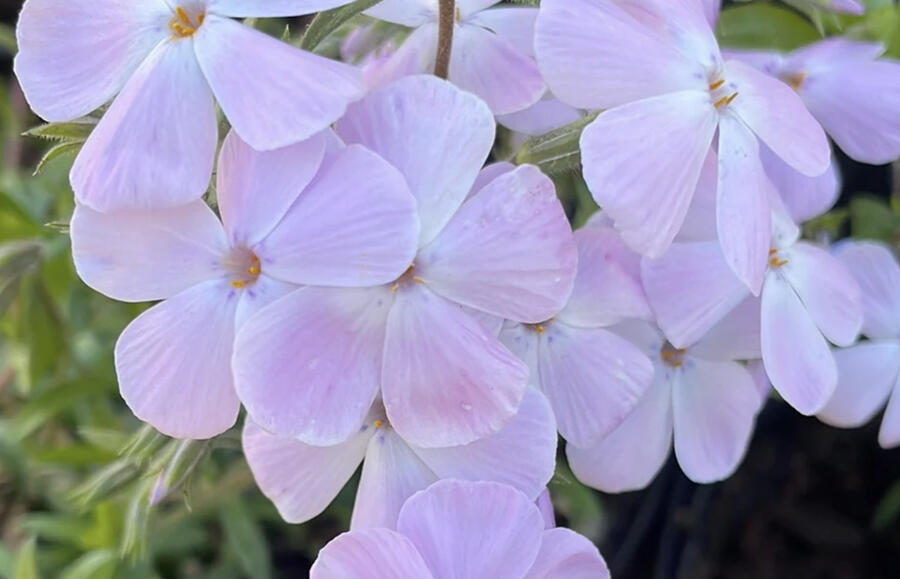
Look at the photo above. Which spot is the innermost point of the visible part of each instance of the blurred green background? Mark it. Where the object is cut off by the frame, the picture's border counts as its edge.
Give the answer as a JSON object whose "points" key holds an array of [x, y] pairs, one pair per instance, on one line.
{"points": [[76, 469]]}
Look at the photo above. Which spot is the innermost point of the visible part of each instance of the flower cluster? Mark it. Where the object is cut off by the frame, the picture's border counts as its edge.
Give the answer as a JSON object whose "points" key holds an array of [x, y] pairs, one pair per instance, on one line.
{"points": [[370, 289]]}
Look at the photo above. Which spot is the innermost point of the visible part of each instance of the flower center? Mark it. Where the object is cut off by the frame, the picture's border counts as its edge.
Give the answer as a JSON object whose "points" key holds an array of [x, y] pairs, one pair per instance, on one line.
{"points": [[408, 277], [721, 93], [243, 267], [184, 24], [775, 260], [539, 328], [672, 356], [795, 80]]}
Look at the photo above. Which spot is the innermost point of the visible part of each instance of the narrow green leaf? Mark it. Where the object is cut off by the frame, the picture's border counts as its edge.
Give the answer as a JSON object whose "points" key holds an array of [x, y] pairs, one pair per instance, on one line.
{"points": [[761, 25], [556, 151], [330, 20], [246, 541], [71, 131], [8, 39], [99, 564], [26, 561], [888, 509], [871, 218], [64, 149]]}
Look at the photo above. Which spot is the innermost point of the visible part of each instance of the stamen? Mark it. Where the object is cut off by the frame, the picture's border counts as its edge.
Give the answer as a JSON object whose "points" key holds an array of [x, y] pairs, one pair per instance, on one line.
{"points": [[378, 424], [725, 101], [182, 26], [717, 84], [795, 80], [775, 260], [672, 356], [242, 266]]}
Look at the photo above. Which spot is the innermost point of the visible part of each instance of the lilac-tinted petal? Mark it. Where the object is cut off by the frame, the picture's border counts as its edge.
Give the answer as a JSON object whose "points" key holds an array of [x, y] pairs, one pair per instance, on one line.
{"points": [[619, 59], [155, 146], [140, 256], [491, 67], [436, 135], [682, 24], [831, 53], [767, 61], [805, 197], [391, 474], [406, 12], [514, 24], [593, 378], [796, 356], [273, 94], [545, 504], [743, 214], [857, 103], [522, 454], [878, 273], [174, 363], [508, 251], [736, 337], [301, 480], [488, 174], [355, 225], [714, 405], [846, 6], [889, 434], [544, 116], [629, 458], [566, 554], [271, 8], [757, 370], [370, 554], [473, 529], [642, 162], [75, 55], [828, 291], [778, 117], [700, 220], [416, 55], [446, 381], [522, 340], [308, 365], [256, 189], [866, 375], [608, 286], [691, 288], [258, 295], [712, 9]]}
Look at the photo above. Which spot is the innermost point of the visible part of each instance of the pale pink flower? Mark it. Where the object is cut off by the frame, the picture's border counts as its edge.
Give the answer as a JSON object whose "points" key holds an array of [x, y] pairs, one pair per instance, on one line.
{"points": [[492, 54], [310, 365], [592, 376], [544, 116], [458, 529], [808, 299], [869, 372], [302, 480], [656, 66], [848, 88], [163, 63], [290, 216], [701, 396]]}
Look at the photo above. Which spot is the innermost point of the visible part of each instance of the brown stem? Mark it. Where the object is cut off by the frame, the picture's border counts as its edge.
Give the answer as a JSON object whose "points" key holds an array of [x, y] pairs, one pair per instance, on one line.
{"points": [[446, 22]]}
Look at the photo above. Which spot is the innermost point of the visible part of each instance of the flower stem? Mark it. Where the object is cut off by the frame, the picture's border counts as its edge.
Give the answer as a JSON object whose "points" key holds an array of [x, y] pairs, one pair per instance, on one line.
{"points": [[446, 22]]}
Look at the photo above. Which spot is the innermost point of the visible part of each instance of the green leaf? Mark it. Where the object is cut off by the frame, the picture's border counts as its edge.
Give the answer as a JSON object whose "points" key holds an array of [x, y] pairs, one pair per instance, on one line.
{"points": [[558, 150], [330, 20], [99, 564], [64, 149], [26, 561], [246, 541], [871, 218], [764, 26], [888, 509], [71, 131], [8, 39]]}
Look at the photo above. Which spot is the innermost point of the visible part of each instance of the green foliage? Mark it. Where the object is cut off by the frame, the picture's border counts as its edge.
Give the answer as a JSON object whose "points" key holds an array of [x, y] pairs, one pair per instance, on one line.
{"points": [[765, 26], [329, 21]]}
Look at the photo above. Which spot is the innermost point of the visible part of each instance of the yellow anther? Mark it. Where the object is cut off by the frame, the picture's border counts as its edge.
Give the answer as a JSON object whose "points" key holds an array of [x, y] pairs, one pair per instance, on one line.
{"points": [[378, 424], [238, 284], [253, 270], [418, 280], [725, 101], [182, 26], [539, 329], [672, 356], [717, 84], [774, 260], [795, 80]]}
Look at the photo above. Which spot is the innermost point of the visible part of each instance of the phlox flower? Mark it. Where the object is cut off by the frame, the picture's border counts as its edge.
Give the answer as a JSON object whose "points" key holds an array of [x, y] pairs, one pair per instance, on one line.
{"points": [[298, 215], [852, 92], [656, 66], [166, 64], [593, 377], [310, 365], [854, 7], [544, 116], [302, 480], [869, 372], [808, 299], [458, 529], [492, 53], [701, 396]]}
